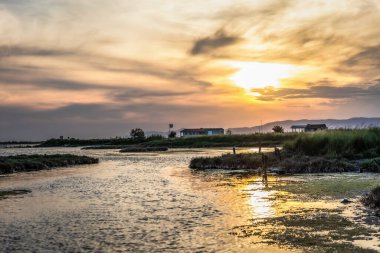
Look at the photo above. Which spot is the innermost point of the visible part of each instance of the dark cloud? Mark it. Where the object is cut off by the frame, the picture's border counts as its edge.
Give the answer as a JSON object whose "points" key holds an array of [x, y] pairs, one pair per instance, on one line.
{"points": [[318, 91], [13, 51], [368, 56], [218, 40], [131, 93]]}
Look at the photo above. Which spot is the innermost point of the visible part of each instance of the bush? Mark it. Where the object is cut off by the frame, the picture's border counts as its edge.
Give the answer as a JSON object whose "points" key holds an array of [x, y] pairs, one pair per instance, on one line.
{"points": [[278, 129], [137, 134], [371, 165], [372, 199]]}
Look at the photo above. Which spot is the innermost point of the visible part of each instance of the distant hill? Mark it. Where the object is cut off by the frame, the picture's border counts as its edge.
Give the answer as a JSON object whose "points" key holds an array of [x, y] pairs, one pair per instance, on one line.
{"points": [[331, 123]]}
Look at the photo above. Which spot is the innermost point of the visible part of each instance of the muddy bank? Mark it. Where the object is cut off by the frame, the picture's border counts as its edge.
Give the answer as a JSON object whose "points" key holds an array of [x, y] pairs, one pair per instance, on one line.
{"points": [[105, 147], [143, 149], [23, 163]]}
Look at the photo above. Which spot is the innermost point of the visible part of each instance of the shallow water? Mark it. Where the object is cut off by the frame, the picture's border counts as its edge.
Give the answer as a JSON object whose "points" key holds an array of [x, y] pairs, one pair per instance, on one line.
{"points": [[140, 202]]}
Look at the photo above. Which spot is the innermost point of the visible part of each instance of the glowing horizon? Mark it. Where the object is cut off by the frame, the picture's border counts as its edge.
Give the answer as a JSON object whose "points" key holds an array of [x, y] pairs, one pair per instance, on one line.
{"points": [[67, 70]]}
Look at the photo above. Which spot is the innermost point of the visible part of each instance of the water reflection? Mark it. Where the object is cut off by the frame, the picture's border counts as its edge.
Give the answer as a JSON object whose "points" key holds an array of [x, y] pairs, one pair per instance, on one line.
{"points": [[144, 202], [261, 203]]}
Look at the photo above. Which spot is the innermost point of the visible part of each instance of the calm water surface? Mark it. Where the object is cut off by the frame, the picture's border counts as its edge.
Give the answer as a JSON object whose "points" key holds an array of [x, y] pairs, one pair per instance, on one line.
{"points": [[132, 202]]}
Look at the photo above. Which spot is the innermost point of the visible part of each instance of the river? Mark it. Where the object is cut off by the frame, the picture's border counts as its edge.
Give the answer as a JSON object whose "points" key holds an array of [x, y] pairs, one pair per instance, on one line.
{"points": [[148, 202]]}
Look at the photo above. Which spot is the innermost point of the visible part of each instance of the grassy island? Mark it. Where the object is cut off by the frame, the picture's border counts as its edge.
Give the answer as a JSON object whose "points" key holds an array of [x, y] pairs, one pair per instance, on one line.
{"points": [[22, 163], [324, 151]]}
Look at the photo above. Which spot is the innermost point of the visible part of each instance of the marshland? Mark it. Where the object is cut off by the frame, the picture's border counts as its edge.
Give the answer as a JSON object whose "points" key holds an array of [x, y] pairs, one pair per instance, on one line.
{"points": [[153, 201]]}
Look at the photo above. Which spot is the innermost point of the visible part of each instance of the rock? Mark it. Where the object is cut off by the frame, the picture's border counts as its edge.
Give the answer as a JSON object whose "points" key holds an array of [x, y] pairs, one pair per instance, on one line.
{"points": [[346, 201]]}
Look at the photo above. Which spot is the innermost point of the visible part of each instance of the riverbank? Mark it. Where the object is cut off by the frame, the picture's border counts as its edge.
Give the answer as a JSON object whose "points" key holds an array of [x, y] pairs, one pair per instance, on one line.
{"points": [[264, 140], [294, 164], [23, 163], [319, 152], [143, 149]]}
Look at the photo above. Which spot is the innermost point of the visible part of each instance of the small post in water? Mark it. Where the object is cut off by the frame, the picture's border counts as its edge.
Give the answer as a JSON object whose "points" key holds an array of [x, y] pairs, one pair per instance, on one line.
{"points": [[260, 146], [264, 160], [277, 153], [234, 150]]}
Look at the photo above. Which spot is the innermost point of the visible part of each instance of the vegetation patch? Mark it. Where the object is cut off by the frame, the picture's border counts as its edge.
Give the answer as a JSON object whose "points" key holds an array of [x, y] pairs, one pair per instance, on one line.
{"points": [[7, 194], [330, 187], [21, 163], [265, 140], [350, 144], [372, 199], [320, 152], [289, 164], [251, 140], [314, 231], [371, 165], [228, 161]]}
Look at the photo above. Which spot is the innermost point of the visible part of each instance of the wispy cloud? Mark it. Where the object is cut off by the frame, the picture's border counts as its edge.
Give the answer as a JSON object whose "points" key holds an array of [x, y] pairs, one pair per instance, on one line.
{"points": [[14, 51], [69, 64], [318, 91]]}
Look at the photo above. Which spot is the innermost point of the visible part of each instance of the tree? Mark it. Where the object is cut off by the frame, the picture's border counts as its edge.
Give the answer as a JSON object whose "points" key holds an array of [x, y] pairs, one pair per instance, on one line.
{"points": [[172, 134], [278, 129], [229, 132], [137, 134]]}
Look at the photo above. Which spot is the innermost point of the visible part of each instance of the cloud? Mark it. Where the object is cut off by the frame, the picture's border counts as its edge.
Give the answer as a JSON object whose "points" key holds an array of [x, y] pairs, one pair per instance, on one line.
{"points": [[318, 91], [218, 40], [131, 93], [12, 51], [180, 73], [368, 56]]}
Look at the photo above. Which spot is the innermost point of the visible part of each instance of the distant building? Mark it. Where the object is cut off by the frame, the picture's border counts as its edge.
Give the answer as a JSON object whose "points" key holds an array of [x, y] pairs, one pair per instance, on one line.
{"points": [[201, 131], [315, 127], [308, 127], [298, 128]]}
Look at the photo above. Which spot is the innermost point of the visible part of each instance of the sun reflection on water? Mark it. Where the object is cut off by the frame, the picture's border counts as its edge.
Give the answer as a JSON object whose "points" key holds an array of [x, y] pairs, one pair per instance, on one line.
{"points": [[261, 200]]}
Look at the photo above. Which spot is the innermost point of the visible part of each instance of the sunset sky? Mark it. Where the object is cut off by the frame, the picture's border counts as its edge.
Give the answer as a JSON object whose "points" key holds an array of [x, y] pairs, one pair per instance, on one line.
{"points": [[92, 68]]}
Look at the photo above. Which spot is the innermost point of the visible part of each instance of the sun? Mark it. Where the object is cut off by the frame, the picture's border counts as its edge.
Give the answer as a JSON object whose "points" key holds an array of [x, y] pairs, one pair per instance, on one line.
{"points": [[250, 75]]}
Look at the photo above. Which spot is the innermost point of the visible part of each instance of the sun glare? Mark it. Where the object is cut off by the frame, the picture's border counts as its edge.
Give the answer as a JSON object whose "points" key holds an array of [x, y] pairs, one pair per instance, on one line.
{"points": [[251, 75]]}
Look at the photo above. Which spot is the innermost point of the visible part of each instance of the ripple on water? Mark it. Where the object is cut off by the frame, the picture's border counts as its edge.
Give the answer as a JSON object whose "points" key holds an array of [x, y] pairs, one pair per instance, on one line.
{"points": [[143, 202]]}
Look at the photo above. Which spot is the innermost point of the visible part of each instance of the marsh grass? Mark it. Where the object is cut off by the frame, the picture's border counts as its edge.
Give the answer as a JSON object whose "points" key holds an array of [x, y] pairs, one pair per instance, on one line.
{"points": [[267, 139], [19, 163], [350, 144], [251, 161], [372, 199]]}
